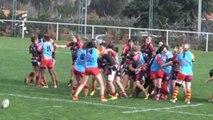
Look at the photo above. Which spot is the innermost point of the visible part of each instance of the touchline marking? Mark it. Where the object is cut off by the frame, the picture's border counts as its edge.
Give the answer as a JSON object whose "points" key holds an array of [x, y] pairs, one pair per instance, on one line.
{"points": [[164, 108], [188, 113], [70, 101], [136, 109]]}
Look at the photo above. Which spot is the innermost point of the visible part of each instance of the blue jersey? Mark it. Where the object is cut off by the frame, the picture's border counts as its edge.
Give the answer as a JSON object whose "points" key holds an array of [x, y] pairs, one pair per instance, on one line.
{"points": [[80, 61], [185, 60], [138, 60], [91, 59], [168, 57], [47, 50], [156, 64], [40, 42]]}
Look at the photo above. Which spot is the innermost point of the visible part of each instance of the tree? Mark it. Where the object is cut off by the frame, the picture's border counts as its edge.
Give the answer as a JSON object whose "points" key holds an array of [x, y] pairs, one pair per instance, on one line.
{"points": [[168, 14], [108, 7]]}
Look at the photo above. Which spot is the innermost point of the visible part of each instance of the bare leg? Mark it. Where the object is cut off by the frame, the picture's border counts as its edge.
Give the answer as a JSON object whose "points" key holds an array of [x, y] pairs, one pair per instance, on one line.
{"points": [[43, 77], [51, 72], [80, 87], [120, 86]]}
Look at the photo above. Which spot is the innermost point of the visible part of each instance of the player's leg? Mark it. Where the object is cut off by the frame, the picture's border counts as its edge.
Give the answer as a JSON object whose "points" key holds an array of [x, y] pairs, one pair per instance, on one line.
{"points": [[188, 92], [178, 84], [158, 88], [51, 72], [43, 77], [126, 81], [120, 86], [110, 79], [93, 86], [141, 87], [80, 87], [98, 77], [30, 77]]}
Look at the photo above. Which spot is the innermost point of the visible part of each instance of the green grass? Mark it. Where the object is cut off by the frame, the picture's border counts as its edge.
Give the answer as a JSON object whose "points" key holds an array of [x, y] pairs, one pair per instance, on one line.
{"points": [[29, 102]]}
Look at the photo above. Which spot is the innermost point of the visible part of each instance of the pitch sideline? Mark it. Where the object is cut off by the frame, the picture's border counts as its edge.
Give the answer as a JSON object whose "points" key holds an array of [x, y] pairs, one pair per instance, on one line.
{"points": [[134, 109]]}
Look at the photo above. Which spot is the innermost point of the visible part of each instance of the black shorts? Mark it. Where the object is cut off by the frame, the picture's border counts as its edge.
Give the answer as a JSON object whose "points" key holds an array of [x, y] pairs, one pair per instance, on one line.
{"points": [[35, 63]]}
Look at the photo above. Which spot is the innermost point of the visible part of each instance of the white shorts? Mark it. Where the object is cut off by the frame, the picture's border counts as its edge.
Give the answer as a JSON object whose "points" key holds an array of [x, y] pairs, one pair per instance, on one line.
{"points": [[111, 77]]}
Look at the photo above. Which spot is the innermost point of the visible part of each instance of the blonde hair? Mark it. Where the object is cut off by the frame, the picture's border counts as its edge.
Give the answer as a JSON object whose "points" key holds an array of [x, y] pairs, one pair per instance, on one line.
{"points": [[176, 50], [186, 46]]}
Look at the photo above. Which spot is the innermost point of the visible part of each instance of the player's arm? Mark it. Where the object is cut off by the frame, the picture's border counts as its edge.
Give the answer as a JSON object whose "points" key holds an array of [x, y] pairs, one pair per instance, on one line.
{"points": [[61, 46], [159, 60], [152, 49], [39, 49], [167, 64], [64, 46], [124, 51], [170, 61], [211, 79], [80, 44]]}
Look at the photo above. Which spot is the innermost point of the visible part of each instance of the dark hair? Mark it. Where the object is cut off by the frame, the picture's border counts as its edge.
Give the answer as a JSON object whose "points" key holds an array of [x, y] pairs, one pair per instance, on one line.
{"points": [[161, 48], [91, 44], [40, 36], [33, 38], [46, 37], [113, 47], [130, 40], [84, 45], [103, 44]]}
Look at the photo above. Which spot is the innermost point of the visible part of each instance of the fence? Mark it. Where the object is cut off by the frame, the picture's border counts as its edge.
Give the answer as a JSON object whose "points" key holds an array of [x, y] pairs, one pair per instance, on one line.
{"points": [[198, 40]]}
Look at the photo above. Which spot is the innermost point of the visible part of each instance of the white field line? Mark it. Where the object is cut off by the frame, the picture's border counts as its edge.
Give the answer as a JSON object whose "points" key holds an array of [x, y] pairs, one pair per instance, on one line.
{"points": [[188, 113], [168, 109], [163, 108], [70, 101]]}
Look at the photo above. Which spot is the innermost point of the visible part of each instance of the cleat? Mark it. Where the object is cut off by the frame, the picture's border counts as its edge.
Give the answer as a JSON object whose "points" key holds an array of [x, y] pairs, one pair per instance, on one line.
{"points": [[92, 93], [26, 81], [124, 95], [173, 100], [57, 83], [164, 97], [69, 83], [55, 86], [146, 97], [103, 99], [75, 98], [187, 101], [113, 98], [157, 97], [210, 100], [45, 86]]}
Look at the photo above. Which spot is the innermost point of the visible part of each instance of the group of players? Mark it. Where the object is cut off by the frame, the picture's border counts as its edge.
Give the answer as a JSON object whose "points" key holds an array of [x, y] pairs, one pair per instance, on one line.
{"points": [[156, 73]]}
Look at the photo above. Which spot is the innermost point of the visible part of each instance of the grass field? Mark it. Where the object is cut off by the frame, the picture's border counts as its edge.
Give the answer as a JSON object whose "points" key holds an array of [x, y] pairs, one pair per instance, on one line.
{"points": [[30, 102]]}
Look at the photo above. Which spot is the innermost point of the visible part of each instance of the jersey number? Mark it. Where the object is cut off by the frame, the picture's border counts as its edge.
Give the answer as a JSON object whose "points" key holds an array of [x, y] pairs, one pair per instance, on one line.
{"points": [[48, 49], [89, 51], [82, 57]]}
